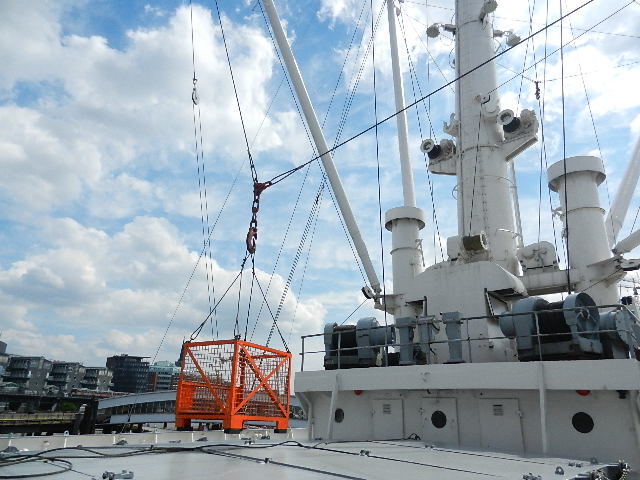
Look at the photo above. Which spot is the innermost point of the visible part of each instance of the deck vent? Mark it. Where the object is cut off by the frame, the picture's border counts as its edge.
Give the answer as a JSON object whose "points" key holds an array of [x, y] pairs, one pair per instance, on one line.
{"points": [[498, 410], [386, 408]]}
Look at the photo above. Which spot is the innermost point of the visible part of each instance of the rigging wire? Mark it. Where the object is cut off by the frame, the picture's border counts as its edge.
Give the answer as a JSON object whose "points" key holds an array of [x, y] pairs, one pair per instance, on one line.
{"points": [[611, 15], [296, 258], [202, 179], [564, 161], [431, 57], [354, 311], [215, 223], [543, 150], [384, 120], [346, 57], [275, 321], [253, 280], [616, 34], [281, 249], [257, 187], [233, 81], [634, 220], [344, 116], [346, 109], [590, 72], [323, 184], [414, 76], [534, 65], [526, 53], [290, 222], [278, 178], [284, 70], [354, 86], [475, 171], [595, 130], [195, 267], [375, 116], [198, 329], [303, 276], [236, 327], [415, 80]]}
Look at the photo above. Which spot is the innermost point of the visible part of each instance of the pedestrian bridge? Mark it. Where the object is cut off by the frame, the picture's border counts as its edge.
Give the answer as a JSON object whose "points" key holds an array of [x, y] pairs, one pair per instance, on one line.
{"points": [[159, 407]]}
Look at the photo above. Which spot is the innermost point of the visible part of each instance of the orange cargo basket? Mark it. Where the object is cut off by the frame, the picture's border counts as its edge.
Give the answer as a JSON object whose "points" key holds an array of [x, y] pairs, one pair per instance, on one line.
{"points": [[233, 381]]}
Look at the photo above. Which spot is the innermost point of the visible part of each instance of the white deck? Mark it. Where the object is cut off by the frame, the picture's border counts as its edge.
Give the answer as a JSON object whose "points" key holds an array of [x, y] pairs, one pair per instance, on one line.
{"points": [[231, 459]]}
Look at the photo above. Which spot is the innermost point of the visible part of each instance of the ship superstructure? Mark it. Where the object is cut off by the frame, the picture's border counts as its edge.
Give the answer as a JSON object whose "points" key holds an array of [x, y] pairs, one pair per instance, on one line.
{"points": [[481, 360]]}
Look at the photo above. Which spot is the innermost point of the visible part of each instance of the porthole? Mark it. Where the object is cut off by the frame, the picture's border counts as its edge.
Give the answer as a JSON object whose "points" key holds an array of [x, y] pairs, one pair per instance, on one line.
{"points": [[582, 422], [438, 419], [338, 416]]}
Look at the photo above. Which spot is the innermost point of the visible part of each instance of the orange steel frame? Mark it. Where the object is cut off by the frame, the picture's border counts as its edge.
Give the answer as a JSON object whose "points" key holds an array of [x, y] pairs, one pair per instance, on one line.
{"points": [[229, 398]]}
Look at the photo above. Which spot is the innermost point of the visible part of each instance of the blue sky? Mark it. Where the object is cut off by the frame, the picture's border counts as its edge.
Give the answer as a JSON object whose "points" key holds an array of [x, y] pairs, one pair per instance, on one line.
{"points": [[100, 211]]}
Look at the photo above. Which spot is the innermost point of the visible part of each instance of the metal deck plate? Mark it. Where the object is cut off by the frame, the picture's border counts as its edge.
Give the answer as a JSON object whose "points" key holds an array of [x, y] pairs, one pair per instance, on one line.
{"points": [[273, 459]]}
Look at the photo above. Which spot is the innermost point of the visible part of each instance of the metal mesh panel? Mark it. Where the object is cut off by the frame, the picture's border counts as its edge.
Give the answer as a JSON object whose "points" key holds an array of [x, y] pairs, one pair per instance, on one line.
{"points": [[254, 363], [215, 361]]}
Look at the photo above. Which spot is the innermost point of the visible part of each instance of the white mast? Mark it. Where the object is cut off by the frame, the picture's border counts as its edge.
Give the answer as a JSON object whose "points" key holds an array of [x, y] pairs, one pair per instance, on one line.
{"points": [[620, 204], [485, 203], [404, 222], [401, 118], [321, 144]]}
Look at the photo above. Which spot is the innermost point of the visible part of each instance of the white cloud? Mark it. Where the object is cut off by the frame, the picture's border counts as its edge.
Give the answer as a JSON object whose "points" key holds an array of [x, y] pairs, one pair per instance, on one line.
{"points": [[114, 110], [158, 12], [114, 293], [98, 191]]}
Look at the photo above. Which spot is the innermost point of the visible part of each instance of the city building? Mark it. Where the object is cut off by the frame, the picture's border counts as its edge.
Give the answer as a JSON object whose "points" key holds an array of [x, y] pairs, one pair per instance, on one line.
{"points": [[65, 376], [97, 378], [163, 375], [4, 357], [29, 373], [129, 373]]}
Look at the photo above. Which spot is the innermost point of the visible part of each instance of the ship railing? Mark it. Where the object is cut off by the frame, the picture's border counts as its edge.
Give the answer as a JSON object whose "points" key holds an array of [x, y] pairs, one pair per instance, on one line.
{"points": [[631, 337]]}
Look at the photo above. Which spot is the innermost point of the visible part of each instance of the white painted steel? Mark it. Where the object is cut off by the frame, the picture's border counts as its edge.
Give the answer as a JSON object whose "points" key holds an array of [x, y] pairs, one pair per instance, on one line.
{"points": [[446, 435], [332, 406], [516, 203], [542, 389], [404, 224], [602, 375], [627, 244], [500, 427], [496, 401], [387, 418], [620, 204], [587, 239], [401, 118], [507, 383], [307, 407], [397, 459], [321, 144], [454, 286], [485, 202]]}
